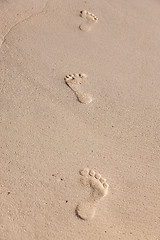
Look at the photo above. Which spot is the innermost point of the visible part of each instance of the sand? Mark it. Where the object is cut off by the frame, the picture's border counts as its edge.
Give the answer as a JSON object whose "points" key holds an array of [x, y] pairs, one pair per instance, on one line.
{"points": [[75, 169]]}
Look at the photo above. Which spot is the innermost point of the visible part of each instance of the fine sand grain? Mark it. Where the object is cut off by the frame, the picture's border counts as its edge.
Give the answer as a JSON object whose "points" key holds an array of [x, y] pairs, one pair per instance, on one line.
{"points": [[48, 136]]}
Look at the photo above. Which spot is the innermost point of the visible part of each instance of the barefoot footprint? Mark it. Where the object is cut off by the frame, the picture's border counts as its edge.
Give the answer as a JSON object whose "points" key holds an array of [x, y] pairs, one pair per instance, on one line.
{"points": [[74, 81], [99, 189], [91, 20]]}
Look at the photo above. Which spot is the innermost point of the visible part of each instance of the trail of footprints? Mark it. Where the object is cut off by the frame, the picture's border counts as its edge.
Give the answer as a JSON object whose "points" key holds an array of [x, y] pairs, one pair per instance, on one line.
{"points": [[98, 190], [75, 80], [86, 209]]}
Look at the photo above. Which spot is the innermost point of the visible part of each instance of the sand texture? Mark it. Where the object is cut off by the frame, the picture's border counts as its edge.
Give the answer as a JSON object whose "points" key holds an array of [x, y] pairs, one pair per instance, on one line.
{"points": [[79, 120]]}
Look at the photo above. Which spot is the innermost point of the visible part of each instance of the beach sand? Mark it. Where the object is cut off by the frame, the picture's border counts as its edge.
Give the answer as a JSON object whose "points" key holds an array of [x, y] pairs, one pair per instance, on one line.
{"points": [[71, 170]]}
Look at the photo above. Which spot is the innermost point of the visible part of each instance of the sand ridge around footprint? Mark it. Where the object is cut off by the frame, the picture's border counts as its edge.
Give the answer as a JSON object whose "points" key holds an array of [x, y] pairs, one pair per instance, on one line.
{"points": [[99, 189], [90, 18], [74, 81]]}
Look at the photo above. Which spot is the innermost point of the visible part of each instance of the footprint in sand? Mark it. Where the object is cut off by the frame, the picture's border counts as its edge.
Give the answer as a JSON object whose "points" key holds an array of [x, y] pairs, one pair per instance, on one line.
{"points": [[74, 81], [99, 189], [91, 19]]}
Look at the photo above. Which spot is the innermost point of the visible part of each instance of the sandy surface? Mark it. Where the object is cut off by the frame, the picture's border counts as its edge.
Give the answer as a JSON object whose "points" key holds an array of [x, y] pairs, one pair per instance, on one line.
{"points": [[48, 136]]}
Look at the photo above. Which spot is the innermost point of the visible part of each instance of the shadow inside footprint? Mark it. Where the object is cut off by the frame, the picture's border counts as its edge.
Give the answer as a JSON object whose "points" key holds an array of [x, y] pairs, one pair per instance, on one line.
{"points": [[85, 210]]}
